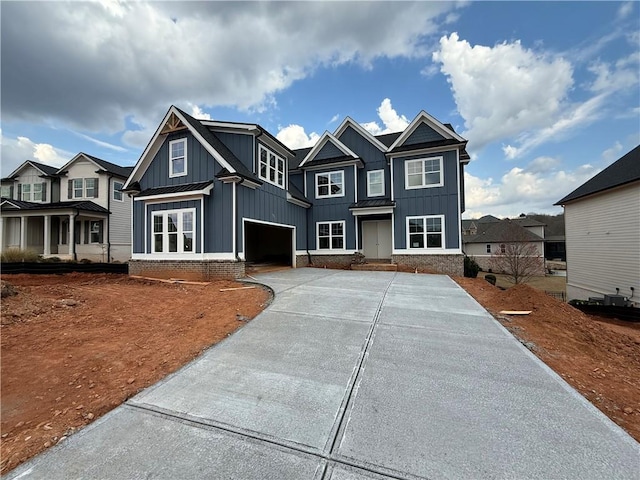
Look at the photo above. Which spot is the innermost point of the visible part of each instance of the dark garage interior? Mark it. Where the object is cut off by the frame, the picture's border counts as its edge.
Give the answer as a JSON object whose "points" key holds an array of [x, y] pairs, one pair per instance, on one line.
{"points": [[268, 244]]}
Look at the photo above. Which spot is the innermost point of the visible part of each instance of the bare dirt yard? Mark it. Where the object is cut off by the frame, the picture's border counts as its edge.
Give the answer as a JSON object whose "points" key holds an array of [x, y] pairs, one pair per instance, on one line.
{"points": [[599, 357], [75, 346]]}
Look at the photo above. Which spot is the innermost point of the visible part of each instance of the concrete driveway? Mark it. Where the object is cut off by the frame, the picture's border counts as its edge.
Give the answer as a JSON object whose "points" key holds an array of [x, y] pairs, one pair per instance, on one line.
{"points": [[354, 375]]}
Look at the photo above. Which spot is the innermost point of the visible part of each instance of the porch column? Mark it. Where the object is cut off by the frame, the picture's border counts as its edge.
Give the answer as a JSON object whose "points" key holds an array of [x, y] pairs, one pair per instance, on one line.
{"points": [[2, 233], [47, 235], [23, 233], [72, 233]]}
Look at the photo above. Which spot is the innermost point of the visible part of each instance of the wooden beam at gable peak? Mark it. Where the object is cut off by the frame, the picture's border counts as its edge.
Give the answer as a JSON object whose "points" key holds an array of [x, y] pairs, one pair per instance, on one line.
{"points": [[173, 124]]}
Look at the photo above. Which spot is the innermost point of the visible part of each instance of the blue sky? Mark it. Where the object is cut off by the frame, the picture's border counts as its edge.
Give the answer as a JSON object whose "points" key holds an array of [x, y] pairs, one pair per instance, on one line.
{"points": [[547, 93]]}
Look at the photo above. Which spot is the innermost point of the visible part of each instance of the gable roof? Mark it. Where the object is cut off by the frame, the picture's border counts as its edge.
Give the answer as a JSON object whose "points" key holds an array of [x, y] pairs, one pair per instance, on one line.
{"points": [[45, 169], [322, 141], [424, 117], [84, 205], [349, 122], [624, 170], [214, 146], [108, 167], [501, 231]]}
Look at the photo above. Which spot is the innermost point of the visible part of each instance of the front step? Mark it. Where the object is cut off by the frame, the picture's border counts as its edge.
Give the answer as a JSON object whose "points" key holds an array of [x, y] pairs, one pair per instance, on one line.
{"points": [[376, 267]]}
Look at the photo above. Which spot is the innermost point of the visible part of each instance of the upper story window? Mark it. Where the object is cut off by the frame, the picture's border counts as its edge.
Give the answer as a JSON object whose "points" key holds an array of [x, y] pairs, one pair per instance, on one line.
{"points": [[375, 183], [31, 192], [5, 191], [117, 191], [173, 231], [178, 158], [330, 184], [83, 188], [426, 231], [488, 248], [271, 167], [423, 173], [26, 192]]}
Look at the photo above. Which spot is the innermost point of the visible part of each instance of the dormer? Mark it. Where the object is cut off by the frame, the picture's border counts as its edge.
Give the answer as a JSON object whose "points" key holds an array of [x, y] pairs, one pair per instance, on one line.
{"points": [[329, 151]]}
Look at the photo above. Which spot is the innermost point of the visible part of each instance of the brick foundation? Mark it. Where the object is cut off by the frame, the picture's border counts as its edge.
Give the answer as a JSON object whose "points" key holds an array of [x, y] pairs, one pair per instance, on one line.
{"points": [[332, 261], [195, 270], [302, 261], [447, 264]]}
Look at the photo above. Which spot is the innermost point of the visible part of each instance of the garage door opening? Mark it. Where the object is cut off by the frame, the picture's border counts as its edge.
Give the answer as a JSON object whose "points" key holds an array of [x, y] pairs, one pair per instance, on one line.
{"points": [[268, 245]]}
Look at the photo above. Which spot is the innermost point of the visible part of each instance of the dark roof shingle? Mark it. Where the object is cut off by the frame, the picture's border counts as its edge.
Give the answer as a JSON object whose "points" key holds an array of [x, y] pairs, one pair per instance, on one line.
{"points": [[183, 187]]}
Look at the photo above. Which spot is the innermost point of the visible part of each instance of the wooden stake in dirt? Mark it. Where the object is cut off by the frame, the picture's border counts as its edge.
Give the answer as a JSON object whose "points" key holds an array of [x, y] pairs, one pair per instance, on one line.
{"points": [[515, 312], [236, 288]]}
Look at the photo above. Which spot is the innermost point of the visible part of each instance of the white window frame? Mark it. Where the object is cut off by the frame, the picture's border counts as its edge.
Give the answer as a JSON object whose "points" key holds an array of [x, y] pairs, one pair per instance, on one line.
{"points": [[331, 236], [92, 232], [86, 187], [425, 233], [75, 188], [279, 170], [5, 189], [118, 191], [369, 194], [39, 192], [164, 214], [328, 174], [172, 174], [23, 197], [423, 183]]}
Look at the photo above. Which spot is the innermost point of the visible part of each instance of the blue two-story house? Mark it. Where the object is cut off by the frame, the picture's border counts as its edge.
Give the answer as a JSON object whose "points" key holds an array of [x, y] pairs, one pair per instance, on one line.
{"points": [[212, 196]]}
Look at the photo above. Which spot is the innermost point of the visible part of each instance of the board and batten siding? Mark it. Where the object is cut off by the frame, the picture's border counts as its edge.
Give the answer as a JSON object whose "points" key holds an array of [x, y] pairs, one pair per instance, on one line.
{"points": [[603, 244]]}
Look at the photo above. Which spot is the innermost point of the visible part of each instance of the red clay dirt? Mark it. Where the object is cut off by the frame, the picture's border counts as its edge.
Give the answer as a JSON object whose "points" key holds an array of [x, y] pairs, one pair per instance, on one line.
{"points": [[75, 346], [597, 356]]}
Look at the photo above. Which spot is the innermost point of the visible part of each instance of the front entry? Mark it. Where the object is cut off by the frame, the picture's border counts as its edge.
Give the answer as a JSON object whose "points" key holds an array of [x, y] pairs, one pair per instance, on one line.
{"points": [[376, 239]]}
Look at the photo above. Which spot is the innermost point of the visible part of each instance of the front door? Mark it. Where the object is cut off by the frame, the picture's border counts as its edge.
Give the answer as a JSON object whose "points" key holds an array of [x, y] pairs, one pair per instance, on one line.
{"points": [[376, 239]]}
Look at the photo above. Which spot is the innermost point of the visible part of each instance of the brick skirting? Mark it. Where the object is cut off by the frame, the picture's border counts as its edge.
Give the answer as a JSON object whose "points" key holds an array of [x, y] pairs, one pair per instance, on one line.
{"points": [[332, 261], [446, 264], [195, 270]]}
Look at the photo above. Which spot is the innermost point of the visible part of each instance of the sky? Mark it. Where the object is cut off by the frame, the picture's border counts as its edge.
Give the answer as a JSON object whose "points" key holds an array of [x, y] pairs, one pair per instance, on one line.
{"points": [[546, 93]]}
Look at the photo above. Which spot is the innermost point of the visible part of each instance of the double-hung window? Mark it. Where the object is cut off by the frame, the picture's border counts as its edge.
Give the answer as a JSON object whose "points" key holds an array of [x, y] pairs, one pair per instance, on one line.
{"points": [[95, 231], [178, 158], [488, 248], [83, 188], [37, 192], [423, 173], [425, 232], [331, 235], [90, 187], [330, 184], [117, 191], [271, 167], [375, 183], [173, 231], [78, 187], [26, 192]]}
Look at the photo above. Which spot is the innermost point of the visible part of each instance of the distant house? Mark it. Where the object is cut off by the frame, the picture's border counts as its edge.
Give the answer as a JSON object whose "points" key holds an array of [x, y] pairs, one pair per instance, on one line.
{"points": [[602, 225], [75, 212], [487, 236], [211, 196]]}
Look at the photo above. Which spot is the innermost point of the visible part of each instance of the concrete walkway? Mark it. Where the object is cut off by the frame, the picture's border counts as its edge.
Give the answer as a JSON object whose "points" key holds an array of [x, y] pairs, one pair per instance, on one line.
{"points": [[354, 375]]}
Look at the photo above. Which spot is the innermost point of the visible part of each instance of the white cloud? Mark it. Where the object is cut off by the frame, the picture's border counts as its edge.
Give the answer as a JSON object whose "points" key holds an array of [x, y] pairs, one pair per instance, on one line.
{"points": [[625, 10], [390, 119], [534, 188], [334, 119], [15, 151], [294, 136], [612, 153], [100, 143], [498, 89], [196, 112]]}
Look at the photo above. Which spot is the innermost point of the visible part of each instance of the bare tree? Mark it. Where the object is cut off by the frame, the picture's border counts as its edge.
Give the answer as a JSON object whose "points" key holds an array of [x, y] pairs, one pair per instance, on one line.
{"points": [[517, 255]]}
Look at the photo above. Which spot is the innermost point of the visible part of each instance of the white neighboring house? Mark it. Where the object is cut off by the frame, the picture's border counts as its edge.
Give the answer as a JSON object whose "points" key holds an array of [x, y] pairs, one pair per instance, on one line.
{"points": [[602, 223], [43, 208]]}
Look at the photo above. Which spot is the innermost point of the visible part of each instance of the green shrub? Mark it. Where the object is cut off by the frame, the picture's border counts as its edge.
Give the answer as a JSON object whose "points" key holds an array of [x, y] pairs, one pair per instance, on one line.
{"points": [[13, 255], [471, 267], [490, 278]]}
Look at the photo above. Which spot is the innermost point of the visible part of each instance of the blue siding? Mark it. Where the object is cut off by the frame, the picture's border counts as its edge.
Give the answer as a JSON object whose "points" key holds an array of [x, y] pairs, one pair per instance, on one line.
{"points": [[241, 145], [372, 157], [332, 209], [138, 227], [329, 150], [427, 201], [218, 211], [156, 207], [423, 133], [201, 166], [269, 204]]}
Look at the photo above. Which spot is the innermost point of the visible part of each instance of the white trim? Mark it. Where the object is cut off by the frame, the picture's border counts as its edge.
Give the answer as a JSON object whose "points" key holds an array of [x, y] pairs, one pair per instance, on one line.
{"points": [[369, 183], [202, 249], [24, 164], [326, 137], [427, 251], [332, 252], [161, 198], [184, 157], [355, 183], [239, 126], [393, 231], [295, 201], [268, 166], [348, 121], [371, 211], [391, 174], [179, 231], [423, 185], [113, 191], [268, 223], [459, 200], [344, 236], [233, 219], [346, 163], [184, 256], [329, 195], [293, 229], [425, 233], [66, 165], [355, 220], [423, 151], [424, 117]]}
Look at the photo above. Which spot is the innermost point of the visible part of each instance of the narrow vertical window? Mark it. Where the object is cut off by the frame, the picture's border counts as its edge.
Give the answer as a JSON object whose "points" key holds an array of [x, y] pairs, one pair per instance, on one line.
{"points": [[178, 158], [375, 183]]}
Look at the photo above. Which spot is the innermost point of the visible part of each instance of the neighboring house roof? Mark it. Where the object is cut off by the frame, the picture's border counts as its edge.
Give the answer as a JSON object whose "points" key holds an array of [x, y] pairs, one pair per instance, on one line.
{"points": [[501, 231], [624, 170], [45, 169], [84, 205], [181, 188], [528, 222], [123, 172]]}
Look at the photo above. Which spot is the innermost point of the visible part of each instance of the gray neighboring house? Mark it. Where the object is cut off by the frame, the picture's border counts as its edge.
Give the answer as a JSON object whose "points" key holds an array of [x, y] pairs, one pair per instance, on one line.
{"points": [[74, 212], [602, 229], [488, 235], [210, 196]]}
